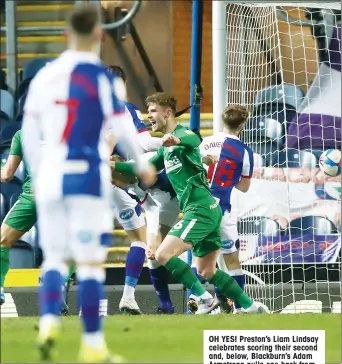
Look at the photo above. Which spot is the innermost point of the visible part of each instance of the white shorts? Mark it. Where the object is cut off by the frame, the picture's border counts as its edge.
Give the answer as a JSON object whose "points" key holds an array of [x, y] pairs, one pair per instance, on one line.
{"points": [[168, 208], [126, 210], [229, 234], [75, 228]]}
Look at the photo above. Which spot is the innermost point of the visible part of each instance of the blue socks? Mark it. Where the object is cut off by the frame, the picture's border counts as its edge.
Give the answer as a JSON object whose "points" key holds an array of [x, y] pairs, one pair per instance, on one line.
{"points": [[50, 294], [134, 265], [159, 278], [90, 291]]}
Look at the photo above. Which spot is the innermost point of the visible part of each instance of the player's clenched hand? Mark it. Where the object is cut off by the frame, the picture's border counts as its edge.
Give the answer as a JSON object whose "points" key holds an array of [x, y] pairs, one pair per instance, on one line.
{"points": [[169, 140], [119, 179], [152, 246], [209, 159], [148, 175]]}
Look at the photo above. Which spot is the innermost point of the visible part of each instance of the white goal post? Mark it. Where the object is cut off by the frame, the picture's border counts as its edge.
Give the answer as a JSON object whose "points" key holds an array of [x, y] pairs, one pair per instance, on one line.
{"points": [[282, 60]]}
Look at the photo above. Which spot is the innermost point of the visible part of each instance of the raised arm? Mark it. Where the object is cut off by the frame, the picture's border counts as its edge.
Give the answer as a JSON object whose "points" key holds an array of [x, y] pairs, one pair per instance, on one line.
{"points": [[190, 139]]}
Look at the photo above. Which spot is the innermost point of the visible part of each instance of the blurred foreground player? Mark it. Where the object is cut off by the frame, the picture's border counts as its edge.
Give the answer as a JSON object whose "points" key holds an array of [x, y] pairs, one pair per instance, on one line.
{"points": [[21, 217], [70, 105], [230, 164], [199, 229], [128, 211]]}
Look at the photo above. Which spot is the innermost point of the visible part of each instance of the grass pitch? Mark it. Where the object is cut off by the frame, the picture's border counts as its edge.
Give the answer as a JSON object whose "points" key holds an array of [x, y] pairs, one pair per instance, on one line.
{"points": [[160, 339]]}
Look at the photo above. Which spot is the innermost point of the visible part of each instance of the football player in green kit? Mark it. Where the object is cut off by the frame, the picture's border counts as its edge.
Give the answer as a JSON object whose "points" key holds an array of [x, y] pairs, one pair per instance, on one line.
{"points": [[21, 217], [199, 228]]}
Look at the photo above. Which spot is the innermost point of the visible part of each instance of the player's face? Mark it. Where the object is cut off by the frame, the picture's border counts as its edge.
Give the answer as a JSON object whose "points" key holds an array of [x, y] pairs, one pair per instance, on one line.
{"points": [[158, 116]]}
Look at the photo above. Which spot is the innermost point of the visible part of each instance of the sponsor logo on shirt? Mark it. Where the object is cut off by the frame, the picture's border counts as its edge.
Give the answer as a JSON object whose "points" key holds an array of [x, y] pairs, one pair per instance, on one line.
{"points": [[227, 244], [213, 206], [172, 164], [126, 214], [85, 237]]}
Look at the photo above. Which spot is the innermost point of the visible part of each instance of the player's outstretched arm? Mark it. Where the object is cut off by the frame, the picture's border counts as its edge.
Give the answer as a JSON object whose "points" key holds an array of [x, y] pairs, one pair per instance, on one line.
{"points": [[130, 168]]}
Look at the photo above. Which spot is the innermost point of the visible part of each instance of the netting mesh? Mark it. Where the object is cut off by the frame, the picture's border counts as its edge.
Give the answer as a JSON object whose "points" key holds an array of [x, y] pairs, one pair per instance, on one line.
{"points": [[285, 65]]}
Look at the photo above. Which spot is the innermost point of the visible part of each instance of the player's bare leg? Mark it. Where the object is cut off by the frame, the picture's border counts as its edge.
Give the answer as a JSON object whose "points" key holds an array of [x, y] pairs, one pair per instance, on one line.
{"points": [[9, 236], [206, 267], [167, 254]]}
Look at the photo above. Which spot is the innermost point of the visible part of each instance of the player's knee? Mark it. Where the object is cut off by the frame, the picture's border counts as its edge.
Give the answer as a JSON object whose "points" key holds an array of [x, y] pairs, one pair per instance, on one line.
{"points": [[207, 272], [89, 272], [139, 244], [162, 256], [56, 264], [232, 261]]}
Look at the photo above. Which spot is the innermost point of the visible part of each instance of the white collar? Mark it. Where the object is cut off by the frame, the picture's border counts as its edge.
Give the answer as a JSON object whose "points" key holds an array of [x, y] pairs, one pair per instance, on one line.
{"points": [[84, 56], [231, 136]]}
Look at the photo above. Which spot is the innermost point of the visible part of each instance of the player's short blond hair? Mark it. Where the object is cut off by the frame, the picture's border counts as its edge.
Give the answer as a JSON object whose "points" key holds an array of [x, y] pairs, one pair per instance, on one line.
{"points": [[163, 99], [235, 116]]}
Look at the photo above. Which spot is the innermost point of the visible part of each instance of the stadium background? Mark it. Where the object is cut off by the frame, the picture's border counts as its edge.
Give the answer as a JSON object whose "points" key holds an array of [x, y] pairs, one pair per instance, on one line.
{"points": [[168, 45]]}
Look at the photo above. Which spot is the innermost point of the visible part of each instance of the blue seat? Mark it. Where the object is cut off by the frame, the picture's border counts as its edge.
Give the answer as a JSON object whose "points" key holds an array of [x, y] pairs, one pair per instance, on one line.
{"points": [[316, 152], [264, 128], [285, 95], [4, 156], [265, 149], [30, 70], [23, 88], [20, 107], [20, 173], [258, 225], [13, 198], [8, 129], [30, 238], [22, 257], [311, 225], [293, 158], [3, 85], [3, 207], [11, 190], [34, 66], [6, 105]]}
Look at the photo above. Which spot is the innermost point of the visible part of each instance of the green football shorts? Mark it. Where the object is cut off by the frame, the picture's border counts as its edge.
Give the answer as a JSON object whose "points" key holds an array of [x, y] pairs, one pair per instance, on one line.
{"points": [[200, 226], [23, 214]]}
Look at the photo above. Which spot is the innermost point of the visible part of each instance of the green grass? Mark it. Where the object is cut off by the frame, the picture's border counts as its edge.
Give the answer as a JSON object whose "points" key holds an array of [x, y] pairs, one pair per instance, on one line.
{"points": [[161, 339]]}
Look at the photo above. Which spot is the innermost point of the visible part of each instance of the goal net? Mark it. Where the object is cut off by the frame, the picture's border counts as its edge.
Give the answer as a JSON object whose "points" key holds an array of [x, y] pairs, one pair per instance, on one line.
{"points": [[283, 61]]}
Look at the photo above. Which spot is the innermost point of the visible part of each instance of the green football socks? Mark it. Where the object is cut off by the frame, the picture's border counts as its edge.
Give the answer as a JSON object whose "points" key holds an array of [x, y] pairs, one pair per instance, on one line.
{"points": [[183, 273], [4, 264], [230, 288]]}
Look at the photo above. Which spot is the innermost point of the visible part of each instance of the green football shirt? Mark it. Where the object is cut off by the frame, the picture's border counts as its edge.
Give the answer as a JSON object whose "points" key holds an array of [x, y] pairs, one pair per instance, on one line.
{"points": [[184, 168], [17, 149]]}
